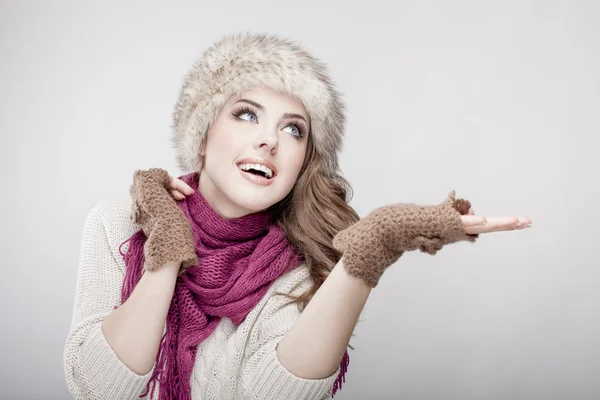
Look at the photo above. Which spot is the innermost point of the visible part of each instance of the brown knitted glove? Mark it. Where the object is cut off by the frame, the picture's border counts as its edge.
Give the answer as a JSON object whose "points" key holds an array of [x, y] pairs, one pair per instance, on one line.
{"points": [[170, 236], [378, 240]]}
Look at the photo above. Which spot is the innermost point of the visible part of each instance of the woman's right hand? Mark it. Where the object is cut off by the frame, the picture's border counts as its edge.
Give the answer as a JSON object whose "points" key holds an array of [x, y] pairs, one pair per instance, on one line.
{"points": [[169, 233]]}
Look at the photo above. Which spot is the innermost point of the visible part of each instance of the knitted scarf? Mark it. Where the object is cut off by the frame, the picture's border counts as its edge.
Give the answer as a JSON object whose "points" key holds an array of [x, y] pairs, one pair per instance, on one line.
{"points": [[239, 259]]}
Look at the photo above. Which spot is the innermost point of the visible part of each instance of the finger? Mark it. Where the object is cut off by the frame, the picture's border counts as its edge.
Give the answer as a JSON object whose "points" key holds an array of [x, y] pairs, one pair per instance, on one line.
{"points": [[497, 224], [511, 223], [473, 220], [525, 221], [177, 195], [178, 184]]}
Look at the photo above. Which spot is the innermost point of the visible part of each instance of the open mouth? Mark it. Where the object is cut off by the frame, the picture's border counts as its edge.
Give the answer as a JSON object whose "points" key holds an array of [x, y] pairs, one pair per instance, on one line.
{"points": [[258, 170]]}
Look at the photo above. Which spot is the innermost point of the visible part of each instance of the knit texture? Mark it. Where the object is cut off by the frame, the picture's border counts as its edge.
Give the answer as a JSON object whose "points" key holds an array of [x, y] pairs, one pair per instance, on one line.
{"points": [[234, 362], [377, 241], [168, 232]]}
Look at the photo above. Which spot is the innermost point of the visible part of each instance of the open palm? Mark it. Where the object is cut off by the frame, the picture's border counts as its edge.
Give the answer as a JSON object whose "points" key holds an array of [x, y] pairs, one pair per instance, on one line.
{"points": [[475, 224]]}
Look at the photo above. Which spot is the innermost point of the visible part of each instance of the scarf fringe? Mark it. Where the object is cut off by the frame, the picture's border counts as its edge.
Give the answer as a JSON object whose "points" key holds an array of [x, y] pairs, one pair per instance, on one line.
{"points": [[337, 385], [167, 379]]}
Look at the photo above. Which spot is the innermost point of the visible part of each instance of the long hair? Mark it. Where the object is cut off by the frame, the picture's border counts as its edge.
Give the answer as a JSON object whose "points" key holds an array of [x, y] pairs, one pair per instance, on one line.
{"points": [[313, 212]]}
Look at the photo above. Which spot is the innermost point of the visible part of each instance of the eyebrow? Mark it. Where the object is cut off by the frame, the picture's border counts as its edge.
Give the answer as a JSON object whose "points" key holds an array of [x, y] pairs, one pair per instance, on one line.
{"points": [[261, 108]]}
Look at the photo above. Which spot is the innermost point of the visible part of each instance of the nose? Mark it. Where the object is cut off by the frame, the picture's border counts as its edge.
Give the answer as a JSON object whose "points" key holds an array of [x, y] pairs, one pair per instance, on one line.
{"points": [[267, 139]]}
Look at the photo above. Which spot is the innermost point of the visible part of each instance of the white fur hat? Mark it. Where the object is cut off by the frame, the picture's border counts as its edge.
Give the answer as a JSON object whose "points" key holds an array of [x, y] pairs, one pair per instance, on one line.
{"points": [[243, 61]]}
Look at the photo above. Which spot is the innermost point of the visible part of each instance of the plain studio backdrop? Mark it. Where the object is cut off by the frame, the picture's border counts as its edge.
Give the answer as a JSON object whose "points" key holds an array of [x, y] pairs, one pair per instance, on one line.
{"points": [[497, 100]]}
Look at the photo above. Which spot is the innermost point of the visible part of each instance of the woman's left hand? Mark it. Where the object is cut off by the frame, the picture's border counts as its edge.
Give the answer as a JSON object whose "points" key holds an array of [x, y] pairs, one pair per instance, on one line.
{"points": [[179, 189], [475, 224]]}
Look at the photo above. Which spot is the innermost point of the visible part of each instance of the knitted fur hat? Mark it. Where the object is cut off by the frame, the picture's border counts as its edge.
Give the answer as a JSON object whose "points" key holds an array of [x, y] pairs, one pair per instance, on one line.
{"points": [[243, 61]]}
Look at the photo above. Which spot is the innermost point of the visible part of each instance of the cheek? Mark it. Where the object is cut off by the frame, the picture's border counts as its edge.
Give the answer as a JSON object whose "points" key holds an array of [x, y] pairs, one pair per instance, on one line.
{"points": [[301, 155], [223, 143], [298, 163], [295, 160]]}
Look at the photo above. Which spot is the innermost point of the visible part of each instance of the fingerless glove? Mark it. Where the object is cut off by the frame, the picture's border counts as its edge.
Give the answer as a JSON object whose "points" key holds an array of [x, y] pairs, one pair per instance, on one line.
{"points": [[378, 240], [169, 233]]}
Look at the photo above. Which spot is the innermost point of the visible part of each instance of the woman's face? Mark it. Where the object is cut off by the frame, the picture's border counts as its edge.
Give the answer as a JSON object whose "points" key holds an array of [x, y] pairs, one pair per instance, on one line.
{"points": [[261, 126]]}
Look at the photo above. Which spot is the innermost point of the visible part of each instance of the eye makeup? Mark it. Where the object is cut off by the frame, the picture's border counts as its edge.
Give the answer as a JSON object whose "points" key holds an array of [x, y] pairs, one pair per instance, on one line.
{"points": [[245, 109]]}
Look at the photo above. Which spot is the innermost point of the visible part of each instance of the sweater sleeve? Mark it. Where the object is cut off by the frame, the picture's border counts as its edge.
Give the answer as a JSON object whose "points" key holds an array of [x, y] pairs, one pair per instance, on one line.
{"points": [[263, 375], [92, 369]]}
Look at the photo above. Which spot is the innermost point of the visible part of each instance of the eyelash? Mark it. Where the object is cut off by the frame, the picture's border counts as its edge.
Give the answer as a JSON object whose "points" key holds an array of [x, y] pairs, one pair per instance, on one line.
{"points": [[246, 109]]}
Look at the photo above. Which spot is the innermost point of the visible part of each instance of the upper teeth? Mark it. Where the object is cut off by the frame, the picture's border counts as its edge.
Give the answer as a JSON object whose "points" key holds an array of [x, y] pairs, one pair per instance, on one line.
{"points": [[258, 167]]}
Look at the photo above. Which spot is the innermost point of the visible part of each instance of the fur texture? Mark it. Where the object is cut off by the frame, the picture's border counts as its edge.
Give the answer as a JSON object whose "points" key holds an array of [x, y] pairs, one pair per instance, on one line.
{"points": [[245, 61]]}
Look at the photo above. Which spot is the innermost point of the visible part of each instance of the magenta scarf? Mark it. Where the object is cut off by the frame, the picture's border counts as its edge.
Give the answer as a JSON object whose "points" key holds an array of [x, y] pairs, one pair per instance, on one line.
{"points": [[239, 259]]}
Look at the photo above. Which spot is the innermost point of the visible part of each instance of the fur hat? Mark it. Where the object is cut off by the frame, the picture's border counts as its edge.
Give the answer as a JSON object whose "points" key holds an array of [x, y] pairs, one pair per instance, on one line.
{"points": [[244, 61]]}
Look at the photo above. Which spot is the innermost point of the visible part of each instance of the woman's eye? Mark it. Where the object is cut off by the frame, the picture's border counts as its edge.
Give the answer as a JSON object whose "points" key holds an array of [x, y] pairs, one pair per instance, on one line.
{"points": [[248, 116], [294, 130]]}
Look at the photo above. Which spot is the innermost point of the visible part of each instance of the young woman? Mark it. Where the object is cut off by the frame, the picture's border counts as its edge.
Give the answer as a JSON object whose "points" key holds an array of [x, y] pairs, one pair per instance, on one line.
{"points": [[243, 278]]}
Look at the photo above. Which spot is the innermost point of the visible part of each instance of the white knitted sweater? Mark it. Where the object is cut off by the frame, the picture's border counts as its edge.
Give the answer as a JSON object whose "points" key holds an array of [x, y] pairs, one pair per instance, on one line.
{"points": [[234, 362]]}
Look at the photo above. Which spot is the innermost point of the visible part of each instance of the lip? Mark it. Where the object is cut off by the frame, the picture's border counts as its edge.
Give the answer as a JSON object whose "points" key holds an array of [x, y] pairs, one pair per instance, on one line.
{"points": [[254, 160], [259, 180]]}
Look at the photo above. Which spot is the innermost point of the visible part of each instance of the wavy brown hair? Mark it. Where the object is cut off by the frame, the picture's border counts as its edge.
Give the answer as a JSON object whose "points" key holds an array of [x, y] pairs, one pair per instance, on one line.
{"points": [[314, 211]]}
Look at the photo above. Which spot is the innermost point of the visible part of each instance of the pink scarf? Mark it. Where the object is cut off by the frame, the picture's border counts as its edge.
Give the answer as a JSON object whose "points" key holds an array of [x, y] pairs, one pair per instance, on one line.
{"points": [[239, 259]]}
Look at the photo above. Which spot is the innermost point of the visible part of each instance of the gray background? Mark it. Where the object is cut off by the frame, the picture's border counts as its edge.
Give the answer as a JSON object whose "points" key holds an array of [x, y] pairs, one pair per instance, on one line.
{"points": [[497, 100]]}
